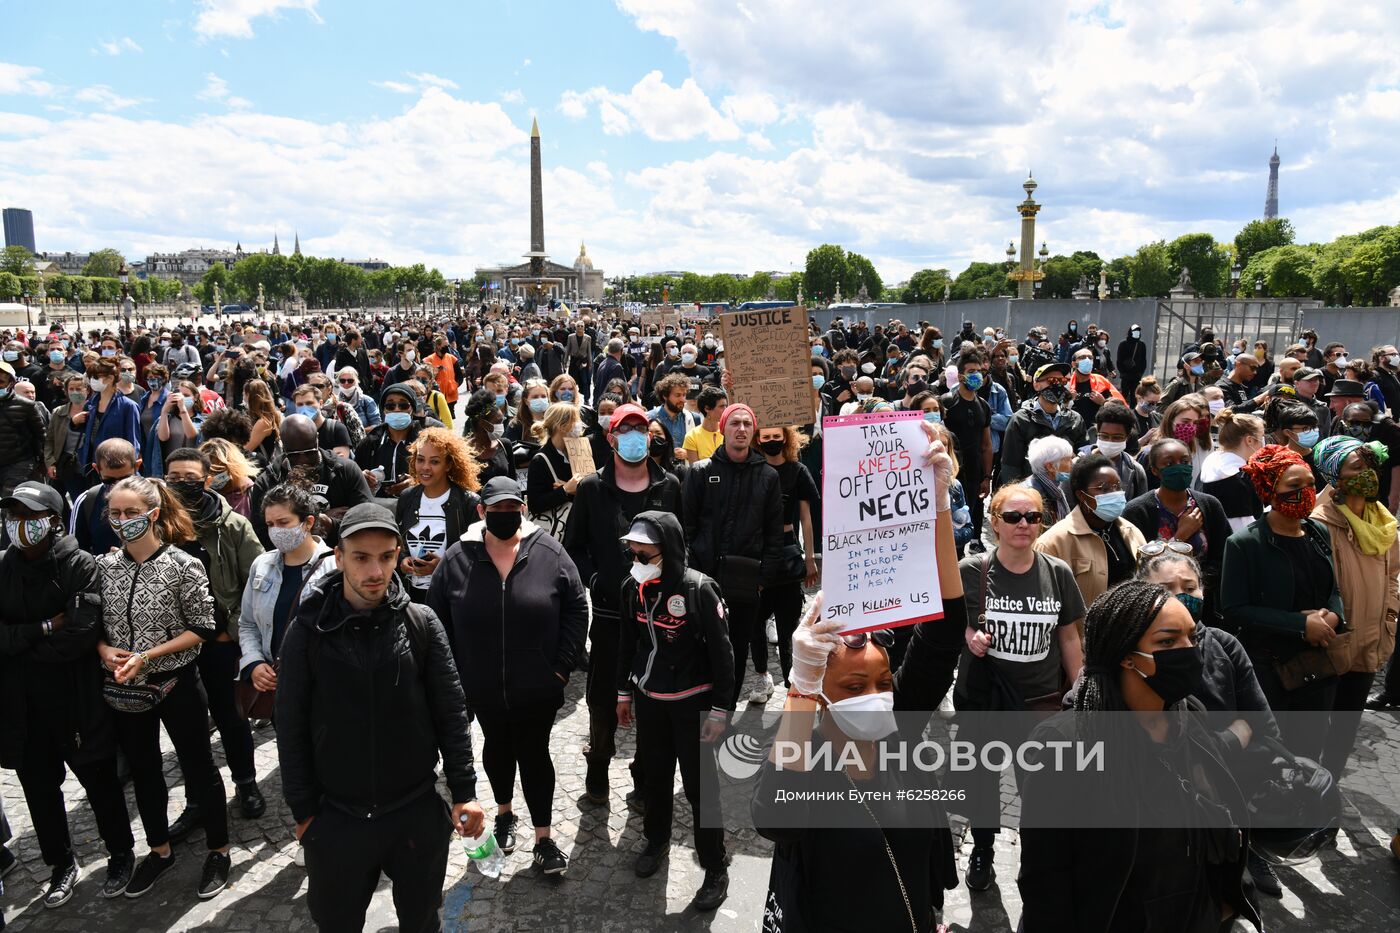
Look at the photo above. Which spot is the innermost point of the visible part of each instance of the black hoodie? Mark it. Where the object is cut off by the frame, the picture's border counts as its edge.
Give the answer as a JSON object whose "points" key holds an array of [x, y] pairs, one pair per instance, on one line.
{"points": [[734, 509], [360, 721], [674, 636]]}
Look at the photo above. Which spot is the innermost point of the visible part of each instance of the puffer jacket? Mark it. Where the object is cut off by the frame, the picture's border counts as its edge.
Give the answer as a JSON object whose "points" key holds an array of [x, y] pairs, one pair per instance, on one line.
{"points": [[52, 683], [232, 546], [21, 432], [733, 509], [260, 601], [674, 635], [1370, 593], [365, 707]]}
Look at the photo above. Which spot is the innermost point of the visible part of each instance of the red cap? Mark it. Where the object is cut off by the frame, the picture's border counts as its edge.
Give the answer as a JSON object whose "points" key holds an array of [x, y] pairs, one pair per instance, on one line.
{"points": [[737, 406], [623, 412]]}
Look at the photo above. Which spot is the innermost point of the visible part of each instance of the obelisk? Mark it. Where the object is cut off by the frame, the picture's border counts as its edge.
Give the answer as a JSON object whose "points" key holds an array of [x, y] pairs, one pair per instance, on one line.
{"points": [[536, 254]]}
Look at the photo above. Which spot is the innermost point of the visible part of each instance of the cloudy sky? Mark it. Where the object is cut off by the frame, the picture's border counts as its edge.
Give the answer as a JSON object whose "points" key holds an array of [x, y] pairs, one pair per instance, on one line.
{"points": [[714, 135]]}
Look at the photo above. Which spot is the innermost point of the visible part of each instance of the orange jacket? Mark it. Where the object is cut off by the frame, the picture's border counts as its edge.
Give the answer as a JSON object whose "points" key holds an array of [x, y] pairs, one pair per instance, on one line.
{"points": [[445, 365], [1100, 385]]}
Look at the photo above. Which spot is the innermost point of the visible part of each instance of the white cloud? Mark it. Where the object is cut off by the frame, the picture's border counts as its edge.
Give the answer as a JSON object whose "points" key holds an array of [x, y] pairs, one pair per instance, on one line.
{"points": [[599, 169], [216, 89], [655, 108], [118, 46], [234, 18], [398, 87], [757, 108], [433, 80], [104, 97], [514, 96], [23, 79]]}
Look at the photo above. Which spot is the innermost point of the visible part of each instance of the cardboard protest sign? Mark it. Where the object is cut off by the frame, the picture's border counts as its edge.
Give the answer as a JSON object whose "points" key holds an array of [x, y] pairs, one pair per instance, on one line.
{"points": [[879, 568], [580, 454], [659, 317], [769, 354]]}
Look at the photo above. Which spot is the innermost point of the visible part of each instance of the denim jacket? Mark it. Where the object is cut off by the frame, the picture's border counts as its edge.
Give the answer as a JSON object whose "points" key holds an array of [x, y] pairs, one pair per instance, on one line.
{"points": [[260, 602]]}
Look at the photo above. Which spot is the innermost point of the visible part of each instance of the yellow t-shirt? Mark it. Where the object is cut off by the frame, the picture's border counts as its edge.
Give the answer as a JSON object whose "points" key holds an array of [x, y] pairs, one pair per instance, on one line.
{"points": [[703, 442]]}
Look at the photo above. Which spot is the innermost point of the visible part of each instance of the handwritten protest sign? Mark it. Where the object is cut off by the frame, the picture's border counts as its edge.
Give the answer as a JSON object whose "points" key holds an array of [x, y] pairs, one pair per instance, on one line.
{"points": [[768, 353], [580, 454], [658, 317], [878, 510]]}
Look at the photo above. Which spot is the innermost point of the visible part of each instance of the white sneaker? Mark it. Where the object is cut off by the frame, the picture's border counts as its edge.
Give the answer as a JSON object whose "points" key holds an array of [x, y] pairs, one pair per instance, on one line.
{"points": [[772, 630], [762, 690]]}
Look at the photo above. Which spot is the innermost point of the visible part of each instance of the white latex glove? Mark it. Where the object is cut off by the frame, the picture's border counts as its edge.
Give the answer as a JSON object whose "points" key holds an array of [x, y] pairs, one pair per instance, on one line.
{"points": [[936, 458], [812, 645]]}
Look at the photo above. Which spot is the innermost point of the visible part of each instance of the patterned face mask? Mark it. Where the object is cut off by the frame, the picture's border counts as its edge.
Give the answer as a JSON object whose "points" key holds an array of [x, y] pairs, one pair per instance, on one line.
{"points": [[132, 528], [1366, 484], [29, 532]]}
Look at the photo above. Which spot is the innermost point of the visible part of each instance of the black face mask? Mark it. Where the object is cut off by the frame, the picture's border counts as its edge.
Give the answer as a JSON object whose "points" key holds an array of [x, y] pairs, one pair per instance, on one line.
{"points": [[1178, 673], [190, 492], [503, 525], [659, 445], [1056, 395], [772, 448], [915, 386]]}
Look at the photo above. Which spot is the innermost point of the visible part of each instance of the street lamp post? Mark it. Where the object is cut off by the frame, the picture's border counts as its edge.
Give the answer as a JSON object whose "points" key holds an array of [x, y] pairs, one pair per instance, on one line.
{"points": [[28, 315], [1235, 280], [125, 276], [1258, 286]]}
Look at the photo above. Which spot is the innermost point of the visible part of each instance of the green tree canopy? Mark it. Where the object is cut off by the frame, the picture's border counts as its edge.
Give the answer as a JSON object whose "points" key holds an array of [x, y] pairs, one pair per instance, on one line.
{"points": [[926, 286], [17, 261], [1208, 261], [1151, 275], [104, 264], [1259, 235], [860, 273], [826, 267]]}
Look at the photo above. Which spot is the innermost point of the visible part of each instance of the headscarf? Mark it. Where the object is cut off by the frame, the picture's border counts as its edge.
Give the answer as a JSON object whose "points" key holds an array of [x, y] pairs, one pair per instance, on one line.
{"points": [[1266, 466], [1330, 453]]}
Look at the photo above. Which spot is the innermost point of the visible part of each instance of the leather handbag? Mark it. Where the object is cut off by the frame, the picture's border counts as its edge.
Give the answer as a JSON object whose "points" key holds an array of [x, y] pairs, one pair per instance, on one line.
{"points": [[252, 702], [1307, 667]]}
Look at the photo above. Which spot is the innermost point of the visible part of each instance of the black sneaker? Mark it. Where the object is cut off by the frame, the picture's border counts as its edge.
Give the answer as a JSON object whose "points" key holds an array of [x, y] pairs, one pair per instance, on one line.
{"points": [[119, 869], [186, 823], [61, 884], [8, 861], [1265, 881], [713, 892], [214, 878], [505, 832], [980, 870], [549, 859], [1383, 701], [637, 802], [148, 872], [649, 859], [251, 802]]}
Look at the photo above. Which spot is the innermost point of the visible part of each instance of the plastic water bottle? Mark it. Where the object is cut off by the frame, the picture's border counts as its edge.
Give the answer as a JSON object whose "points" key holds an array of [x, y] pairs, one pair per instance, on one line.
{"points": [[484, 852]]}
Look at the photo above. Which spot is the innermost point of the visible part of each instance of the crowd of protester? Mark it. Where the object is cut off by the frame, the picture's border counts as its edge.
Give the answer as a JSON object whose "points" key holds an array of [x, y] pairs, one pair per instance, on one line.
{"points": [[373, 535]]}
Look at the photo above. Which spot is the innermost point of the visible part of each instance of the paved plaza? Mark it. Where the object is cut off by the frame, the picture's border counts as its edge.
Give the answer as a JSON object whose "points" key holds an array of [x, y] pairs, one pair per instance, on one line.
{"points": [[1354, 887]]}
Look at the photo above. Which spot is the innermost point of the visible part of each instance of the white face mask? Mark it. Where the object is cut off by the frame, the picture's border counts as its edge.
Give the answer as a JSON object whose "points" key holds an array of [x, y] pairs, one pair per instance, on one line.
{"points": [[645, 573], [287, 540], [867, 717], [1111, 449], [498, 429]]}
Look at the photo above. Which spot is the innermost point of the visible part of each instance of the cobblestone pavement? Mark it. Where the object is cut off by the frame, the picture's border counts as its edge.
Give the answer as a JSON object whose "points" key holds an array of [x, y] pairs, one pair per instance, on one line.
{"points": [[1354, 887]]}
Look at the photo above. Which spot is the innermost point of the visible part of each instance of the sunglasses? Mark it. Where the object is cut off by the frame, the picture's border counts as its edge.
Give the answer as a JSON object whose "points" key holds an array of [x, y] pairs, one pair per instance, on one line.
{"points": [[347, 382], [1014, 517], [882, 637], [1155, 548]]}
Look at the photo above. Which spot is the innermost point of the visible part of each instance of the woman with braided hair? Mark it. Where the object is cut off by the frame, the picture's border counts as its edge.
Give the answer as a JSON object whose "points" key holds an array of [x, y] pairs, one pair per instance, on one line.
{"points": [[1166, 860], [1366, 554], [1279, 584]]}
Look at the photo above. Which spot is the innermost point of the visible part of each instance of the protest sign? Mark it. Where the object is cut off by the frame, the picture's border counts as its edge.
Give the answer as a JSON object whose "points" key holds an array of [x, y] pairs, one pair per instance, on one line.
{"points": [[769, 354], [658, 317], [580, 454], [879, 568]]}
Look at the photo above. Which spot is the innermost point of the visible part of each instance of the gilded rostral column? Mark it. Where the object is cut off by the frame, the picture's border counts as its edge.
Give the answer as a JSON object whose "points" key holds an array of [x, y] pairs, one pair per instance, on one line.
{"points": [[1027, 274]]}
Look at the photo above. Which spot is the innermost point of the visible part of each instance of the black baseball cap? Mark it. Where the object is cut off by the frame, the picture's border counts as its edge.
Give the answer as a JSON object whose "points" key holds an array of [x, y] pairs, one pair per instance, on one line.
{"points": [[37, 497], [501, 489], [367, 517]]}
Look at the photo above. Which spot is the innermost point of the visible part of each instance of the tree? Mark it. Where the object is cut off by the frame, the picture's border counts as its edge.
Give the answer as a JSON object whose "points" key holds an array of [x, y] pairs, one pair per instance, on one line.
{"points": [[9, 284], [926, 286], [860, 272], [1259, 235], [1286, 271], [217, 275], [1373, 268], [1151, 275], [983, 279], [787, 287], [1208, 261], [17, 261], [105, 263], [826, 267]]}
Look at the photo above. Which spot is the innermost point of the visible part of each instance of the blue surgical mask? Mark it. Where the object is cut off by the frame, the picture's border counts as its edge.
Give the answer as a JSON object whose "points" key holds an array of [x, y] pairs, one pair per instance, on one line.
{"points": [[1109, 505], [398, 420], [938, 343], [1061, 476], [56, 356], [1308, 438], [687, 359], [566, 395], [500, 400], [632, 446], [1198, 370], [108, 351], [933, 417], [539, 405], [1085, 366], [310, 411], [818, 381]]}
